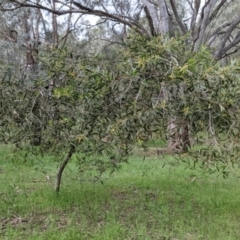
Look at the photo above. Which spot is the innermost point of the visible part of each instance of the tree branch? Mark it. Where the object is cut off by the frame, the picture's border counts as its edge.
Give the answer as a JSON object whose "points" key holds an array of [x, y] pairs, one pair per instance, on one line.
{"points": [[218, 31], [229, 46], [195, 11], [179, 20], [216, 11], [200, 39], [83, 10], [150, 21], [222, 44]]}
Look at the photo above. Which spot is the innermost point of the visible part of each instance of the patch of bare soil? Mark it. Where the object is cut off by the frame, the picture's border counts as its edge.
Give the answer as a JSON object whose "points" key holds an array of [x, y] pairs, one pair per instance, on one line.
{"points": [[14, 221], [27, 224], [153, 152]]}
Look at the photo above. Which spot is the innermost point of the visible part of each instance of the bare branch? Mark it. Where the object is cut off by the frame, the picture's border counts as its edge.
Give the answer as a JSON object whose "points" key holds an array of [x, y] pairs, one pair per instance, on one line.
{"points": [[224, 50], [218, 54], [218, 31], [82, 10]]}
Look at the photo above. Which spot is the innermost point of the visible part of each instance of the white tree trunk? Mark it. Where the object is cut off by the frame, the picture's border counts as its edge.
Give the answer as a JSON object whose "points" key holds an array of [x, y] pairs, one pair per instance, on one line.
{"points": [[159, 15], [164, 18]]}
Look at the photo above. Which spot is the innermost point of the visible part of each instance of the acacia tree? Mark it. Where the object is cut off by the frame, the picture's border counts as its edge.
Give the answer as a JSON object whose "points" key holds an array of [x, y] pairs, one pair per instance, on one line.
{"points": [[100, 106], [195, 18]]}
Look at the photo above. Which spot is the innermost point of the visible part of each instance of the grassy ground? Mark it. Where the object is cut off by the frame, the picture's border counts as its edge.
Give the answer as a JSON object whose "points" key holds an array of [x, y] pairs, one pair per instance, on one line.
{"points": [[141, 201]]}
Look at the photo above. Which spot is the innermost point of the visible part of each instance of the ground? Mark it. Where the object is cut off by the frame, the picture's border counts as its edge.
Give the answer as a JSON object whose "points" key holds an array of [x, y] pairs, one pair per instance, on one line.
{"points": [[149, 198]]}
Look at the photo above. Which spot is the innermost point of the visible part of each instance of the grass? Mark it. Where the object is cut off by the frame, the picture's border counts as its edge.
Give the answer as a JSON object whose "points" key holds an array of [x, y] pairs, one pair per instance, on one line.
{"points": [[144, 200]]}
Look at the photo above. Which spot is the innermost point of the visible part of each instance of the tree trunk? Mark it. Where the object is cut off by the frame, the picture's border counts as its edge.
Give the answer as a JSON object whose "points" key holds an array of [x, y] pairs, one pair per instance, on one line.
{"points": [[178, 136], [200, 39], [54, 25], [159, 20], [185, 137], [62, 167]]}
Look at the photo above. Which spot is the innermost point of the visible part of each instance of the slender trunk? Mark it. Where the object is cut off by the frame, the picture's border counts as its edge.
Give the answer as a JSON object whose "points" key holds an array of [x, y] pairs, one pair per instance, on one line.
{"points": [[62, 167]]}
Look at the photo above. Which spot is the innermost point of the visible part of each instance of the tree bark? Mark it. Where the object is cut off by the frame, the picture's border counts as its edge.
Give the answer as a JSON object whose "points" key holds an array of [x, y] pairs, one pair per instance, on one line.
{"points": [[178, 136], [164, 17], [204, 22], [54, 25], [178, 19], [62, 167], [161, 21], [185, 138]]}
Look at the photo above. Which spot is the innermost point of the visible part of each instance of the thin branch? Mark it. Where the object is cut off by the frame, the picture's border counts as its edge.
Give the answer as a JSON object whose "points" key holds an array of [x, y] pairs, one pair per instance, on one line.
{"points": [[82, 10], [230, 53], [200, 39], [195, 11], [217, 32], [229, 46], [69, 30]]}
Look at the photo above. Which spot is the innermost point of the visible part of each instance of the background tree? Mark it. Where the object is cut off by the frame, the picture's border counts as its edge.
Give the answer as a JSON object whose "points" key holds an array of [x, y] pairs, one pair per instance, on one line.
{"points": [[200, 20]]}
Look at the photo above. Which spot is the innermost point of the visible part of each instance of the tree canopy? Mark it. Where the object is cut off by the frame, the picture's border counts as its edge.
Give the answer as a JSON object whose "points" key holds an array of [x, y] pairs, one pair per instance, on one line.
{"points": [[156, 67]]}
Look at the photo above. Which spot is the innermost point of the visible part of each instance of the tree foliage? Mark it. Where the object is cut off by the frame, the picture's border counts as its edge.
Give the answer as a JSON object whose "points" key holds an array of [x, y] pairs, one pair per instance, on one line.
{"points": [[102, 108]]}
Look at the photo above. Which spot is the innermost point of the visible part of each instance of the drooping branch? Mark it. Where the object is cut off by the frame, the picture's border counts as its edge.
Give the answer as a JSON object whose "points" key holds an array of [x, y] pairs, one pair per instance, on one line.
{"points": [[157, 15], [114, 17]]}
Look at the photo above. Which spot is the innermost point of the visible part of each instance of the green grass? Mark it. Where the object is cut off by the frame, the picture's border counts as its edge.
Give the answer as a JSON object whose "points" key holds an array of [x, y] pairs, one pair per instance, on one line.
{"points": [[141, 201]]}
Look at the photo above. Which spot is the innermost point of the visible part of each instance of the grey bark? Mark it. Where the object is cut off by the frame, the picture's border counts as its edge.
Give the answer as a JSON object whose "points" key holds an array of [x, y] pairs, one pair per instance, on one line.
{"points": [[222, 50], [159, 15], [204, 22]]}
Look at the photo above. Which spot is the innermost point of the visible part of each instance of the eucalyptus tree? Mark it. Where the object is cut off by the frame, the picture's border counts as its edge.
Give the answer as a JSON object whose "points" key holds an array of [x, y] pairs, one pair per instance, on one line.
{"points": [[199, 18]]}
